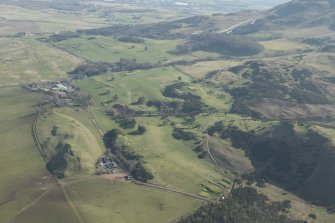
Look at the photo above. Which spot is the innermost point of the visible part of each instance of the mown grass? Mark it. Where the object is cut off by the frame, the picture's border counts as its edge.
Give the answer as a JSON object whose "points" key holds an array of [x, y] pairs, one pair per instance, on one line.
{"points": [[24, 177], [84, 140], [126, 202], [27, 60], [109, 49]]}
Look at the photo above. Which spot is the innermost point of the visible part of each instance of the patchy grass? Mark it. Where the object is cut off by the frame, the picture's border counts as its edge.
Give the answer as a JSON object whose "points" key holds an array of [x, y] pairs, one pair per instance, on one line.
{"points": [[27, 60]]}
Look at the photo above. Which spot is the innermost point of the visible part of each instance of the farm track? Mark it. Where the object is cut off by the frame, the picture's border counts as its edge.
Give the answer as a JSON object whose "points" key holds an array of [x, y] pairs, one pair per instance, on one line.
{"points": [[212, 157], [178, 192], [30, 204]]}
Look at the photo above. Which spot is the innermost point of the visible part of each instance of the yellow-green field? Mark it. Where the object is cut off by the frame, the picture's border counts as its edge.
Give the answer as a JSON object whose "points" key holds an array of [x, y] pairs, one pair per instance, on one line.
{"points": [[109, 49], [27, 61]]}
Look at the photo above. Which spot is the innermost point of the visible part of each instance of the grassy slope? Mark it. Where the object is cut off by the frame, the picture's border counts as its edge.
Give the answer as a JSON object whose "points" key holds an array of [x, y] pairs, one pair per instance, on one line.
{"points": [[125, 202], [172, 161], [27, 60], [84, 143], [25, 178], [110, 49]]}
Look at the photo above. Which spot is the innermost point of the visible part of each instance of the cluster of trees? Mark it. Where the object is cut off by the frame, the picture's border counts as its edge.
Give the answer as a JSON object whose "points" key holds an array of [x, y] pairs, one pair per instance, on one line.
{"points": [[181, 134], [295, 161], [130, 39], [201, 151], [95, 68], [154, 31], [62, 36], [244, 205], [220, 43], [63, 159], [290, 84], [123, 115], [192, 104], [130, 160]]}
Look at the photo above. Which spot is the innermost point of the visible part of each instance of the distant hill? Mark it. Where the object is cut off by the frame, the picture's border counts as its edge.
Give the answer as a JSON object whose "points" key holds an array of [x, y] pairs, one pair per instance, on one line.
{"points": [[296, 13]]}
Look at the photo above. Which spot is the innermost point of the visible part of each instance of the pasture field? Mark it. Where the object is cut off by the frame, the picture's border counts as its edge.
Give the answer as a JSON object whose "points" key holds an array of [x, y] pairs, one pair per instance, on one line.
{"points": [[27, 60], [129, 86], [25, 181], [84, 142], [109, 49], [104, 201]]}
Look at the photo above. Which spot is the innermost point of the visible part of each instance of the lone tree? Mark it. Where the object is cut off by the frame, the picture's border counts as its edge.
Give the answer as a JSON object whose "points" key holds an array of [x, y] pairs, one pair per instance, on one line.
{"points": [[141, 100], [115, 98], [141, 129]]}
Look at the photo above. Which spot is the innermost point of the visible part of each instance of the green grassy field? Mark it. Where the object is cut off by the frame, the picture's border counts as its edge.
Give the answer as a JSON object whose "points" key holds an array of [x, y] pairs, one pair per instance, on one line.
{"points": [[103, 201], [27, 60], [130, 86], [25, 181], [109, 49], [84, 142]]}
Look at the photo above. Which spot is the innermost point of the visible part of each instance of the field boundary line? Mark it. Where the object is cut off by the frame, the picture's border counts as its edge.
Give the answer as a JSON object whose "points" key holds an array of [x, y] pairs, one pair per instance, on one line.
{"points": [[73, 207], [178, 192], [212, 157], [30, 204]]}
